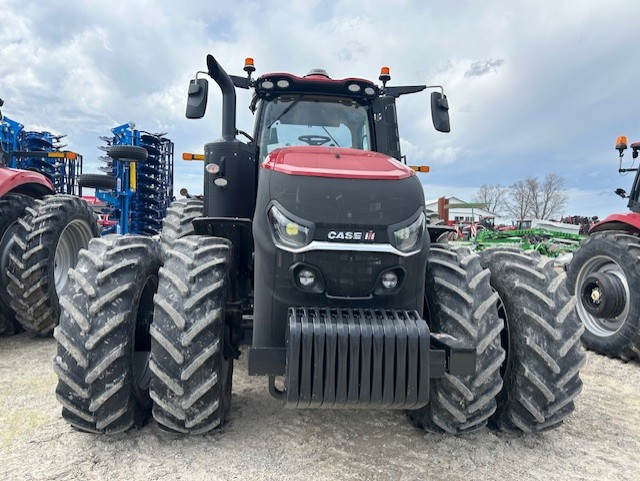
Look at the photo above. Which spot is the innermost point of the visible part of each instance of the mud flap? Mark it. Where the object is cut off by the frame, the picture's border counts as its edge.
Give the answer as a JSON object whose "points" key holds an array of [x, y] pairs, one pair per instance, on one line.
{"points": [[357, 358]]}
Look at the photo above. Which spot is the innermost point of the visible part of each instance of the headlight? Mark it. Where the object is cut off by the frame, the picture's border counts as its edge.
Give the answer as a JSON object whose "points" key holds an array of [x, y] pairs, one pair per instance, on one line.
{"points": [[287, 231], [409, 238]]}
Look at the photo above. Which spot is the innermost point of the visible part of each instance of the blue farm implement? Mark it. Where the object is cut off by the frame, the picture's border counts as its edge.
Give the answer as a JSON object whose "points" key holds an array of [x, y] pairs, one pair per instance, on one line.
{"points": [[40, 152], [138, 185]]}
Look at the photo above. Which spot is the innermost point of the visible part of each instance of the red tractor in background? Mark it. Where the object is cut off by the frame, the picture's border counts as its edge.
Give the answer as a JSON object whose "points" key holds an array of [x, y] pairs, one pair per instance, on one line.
{"points": [[41, 233], [605, 275]]}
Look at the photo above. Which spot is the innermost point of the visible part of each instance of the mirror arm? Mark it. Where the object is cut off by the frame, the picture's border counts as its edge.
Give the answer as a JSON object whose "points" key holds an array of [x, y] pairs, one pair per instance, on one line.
{"points": [[436, 87]]}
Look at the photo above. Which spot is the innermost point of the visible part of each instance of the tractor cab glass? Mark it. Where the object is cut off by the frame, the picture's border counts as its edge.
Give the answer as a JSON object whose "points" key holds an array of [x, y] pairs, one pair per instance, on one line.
{"points": [[312, 120], [634, 197]]}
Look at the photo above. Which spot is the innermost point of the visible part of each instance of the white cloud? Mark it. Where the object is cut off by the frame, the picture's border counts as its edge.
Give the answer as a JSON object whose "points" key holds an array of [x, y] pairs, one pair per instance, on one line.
{"points": [[449, 154], [556, 80]]}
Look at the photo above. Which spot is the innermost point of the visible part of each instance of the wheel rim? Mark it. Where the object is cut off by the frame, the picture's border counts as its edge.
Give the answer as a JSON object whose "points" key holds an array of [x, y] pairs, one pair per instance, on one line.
{"points": [[142, 337], [75, 236], [6, 241], [601, 326]]}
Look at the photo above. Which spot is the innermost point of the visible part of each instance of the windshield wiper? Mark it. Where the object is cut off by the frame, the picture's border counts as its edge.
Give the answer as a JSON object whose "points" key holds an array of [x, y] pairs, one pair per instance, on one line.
{"points": [[329, 134], [285, 111]]}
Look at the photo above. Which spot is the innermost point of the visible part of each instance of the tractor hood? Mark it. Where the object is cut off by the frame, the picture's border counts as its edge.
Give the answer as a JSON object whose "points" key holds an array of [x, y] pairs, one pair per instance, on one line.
{"points": [[336, 162]]}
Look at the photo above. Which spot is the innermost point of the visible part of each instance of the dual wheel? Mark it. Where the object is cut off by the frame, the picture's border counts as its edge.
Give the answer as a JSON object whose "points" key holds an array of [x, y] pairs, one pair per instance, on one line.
{"points": [[517, 313], [156, 337], [136, 338]]}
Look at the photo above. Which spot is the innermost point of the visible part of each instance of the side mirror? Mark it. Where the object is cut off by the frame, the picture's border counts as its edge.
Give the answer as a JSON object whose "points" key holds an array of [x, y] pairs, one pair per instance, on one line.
{"points": [[621, 192], [440, 112], [197, 99]]}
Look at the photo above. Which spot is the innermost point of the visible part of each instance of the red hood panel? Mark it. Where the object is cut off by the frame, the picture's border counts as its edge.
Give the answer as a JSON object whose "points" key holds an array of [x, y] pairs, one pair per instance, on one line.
{"points": [[12, 178], [336, 162], [618, 221]]}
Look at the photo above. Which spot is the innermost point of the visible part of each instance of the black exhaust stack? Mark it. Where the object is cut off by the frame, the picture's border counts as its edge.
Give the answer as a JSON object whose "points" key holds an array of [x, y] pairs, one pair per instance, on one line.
{"points": [[230, 184], [217, 73]]}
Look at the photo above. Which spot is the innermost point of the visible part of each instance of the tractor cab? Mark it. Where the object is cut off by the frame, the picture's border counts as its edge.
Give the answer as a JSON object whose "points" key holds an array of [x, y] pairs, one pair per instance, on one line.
{"points": [[316, 110], [313, 110]]}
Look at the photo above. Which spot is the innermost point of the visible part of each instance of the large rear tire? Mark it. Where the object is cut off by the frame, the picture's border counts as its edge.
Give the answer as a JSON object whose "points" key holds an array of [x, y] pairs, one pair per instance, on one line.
{"points": [[542, 340], [617, 254], [12, 208], [103, 336], [46, 245], [178, 221], [459, 302], [191, 373]]}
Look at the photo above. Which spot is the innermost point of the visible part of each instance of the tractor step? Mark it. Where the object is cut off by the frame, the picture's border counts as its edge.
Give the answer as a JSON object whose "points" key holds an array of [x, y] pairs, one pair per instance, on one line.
{"points": [[357, 358]]}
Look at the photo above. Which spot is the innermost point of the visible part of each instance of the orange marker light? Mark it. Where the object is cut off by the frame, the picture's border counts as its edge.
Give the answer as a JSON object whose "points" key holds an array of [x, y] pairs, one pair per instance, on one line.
{"points": [[621, 143], [420, 168], [384, 76], [248, 66], [189, 156]]}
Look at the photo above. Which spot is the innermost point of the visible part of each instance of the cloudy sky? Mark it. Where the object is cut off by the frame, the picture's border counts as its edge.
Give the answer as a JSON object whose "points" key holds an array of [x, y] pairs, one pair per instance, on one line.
{"points": [[534, 87]]}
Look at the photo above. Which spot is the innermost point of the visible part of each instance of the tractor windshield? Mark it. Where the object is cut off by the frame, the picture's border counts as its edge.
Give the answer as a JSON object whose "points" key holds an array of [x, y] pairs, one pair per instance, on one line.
{"points": [[313, 120]]}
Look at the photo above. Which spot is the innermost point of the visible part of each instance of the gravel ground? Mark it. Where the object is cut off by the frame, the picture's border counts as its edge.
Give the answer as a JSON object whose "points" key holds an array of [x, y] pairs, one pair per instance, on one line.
{"points": [[265, 441]]}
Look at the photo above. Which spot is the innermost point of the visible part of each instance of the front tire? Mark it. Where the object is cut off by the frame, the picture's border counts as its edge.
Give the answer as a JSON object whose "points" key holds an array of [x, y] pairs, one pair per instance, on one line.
{"points": [[177, 222], [459, 302], [103, 336], [542, 340], [191, 381], [615, 253]]}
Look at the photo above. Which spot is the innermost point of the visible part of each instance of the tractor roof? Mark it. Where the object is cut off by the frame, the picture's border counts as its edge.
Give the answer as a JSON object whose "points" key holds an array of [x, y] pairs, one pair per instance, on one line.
{"points": [[315, 82]]}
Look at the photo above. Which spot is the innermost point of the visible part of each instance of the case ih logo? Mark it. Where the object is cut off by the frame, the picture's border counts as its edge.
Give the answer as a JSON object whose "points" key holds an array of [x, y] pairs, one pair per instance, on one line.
{"points": [[351, 235]]}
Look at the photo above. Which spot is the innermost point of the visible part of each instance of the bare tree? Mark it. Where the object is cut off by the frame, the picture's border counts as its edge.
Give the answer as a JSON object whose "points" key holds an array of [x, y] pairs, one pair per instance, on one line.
{"points": [[530, 198], [551, 200], [533, 185], [520, 201], [494, 196]]}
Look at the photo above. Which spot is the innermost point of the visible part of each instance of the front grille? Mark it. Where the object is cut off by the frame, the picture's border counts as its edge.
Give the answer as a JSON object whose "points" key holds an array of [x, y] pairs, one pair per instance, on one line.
{"points": [[348, 273]]}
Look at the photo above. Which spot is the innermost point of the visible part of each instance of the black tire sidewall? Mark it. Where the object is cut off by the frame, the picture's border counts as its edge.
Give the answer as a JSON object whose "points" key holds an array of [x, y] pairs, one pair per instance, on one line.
{"points": [[128, 152], [97, 181]]}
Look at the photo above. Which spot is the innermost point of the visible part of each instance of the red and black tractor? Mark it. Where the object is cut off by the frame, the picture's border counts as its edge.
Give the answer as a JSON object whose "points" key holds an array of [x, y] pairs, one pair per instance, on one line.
{"points": [[312, 244], [41, 233], [605, 275]]}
